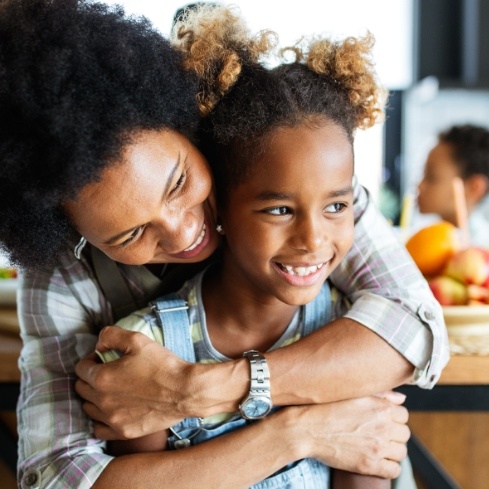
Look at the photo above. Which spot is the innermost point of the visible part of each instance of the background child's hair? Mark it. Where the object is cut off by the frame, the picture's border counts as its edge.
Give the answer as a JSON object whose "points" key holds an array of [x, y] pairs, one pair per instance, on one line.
{"points": [[243, 99], [470, 145]]}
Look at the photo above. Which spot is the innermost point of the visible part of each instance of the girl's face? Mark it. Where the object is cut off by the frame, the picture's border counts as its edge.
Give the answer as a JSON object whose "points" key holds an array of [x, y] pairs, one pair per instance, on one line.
{"points": [[155, 206], [290, 223], [435, 191]]}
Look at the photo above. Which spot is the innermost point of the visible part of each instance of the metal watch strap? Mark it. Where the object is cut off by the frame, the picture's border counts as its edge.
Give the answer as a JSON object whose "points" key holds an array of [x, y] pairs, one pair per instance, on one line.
{"points": [[259, 373]]}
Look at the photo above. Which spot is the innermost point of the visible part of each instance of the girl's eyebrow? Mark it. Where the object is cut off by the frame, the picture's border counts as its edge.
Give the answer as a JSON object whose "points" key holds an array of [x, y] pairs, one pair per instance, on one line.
{"points": [[341, 192], [171, 177], [268, 195]]}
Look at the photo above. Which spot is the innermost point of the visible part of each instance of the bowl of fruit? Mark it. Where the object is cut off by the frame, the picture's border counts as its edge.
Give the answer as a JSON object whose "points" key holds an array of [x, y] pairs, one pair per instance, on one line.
{"points": [[459, 279]]}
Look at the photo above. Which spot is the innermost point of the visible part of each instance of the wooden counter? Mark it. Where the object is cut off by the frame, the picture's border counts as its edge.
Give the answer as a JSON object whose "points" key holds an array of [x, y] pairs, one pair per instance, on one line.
{"points": [[464, 370], [452, 423], [10, 345]]}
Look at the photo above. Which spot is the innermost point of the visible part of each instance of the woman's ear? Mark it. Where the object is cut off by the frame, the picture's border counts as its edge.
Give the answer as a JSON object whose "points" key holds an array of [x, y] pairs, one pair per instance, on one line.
{"points": [[476, 188]]}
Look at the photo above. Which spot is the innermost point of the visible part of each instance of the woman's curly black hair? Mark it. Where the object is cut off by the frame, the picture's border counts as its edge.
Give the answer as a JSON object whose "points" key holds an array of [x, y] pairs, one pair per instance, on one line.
{"points": [[470, 146], [243, 99], [77, 79]]}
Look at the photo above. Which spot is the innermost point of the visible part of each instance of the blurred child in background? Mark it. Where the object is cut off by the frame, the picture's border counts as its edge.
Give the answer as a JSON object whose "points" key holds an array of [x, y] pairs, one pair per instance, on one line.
{"points": [[461, 151]]}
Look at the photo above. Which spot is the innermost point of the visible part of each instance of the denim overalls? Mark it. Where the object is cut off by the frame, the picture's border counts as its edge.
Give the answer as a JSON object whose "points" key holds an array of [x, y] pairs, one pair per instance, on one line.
{"points": [[172, 315]]}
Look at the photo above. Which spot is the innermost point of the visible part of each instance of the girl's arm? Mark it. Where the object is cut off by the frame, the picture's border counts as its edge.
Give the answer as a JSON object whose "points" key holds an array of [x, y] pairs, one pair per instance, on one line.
{"points": [[350, 480], [155, 442]]}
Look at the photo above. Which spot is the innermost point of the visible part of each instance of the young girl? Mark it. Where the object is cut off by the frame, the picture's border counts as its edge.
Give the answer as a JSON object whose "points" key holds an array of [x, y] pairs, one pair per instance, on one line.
{"points": [[282, 153], [461, 151]]}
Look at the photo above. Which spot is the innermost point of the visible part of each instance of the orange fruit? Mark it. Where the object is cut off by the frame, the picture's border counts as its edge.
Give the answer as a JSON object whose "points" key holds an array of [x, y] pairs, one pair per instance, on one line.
{"points": [[431, 247]]}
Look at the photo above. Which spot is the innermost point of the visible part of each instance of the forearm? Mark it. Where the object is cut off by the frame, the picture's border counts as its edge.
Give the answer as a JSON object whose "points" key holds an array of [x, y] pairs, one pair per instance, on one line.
{"points": [[239, 459], [350, 480], [340, 361]]}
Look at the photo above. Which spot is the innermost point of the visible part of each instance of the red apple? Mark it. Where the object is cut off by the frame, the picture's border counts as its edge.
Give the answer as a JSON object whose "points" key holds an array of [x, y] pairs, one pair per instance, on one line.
{"points": [[469, 266], [477, 294], [448, 291]]}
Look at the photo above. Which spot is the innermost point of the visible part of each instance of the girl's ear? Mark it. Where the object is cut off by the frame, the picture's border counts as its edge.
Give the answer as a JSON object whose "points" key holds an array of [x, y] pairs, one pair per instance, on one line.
{"points": [[476, 187]]}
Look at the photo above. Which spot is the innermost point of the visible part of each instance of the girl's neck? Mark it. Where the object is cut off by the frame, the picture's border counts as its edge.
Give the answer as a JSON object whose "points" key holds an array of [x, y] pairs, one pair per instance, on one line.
{"points": [[238, 320]]}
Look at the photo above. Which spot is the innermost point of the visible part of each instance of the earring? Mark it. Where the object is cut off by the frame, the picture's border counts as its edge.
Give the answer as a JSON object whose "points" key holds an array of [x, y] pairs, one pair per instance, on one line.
{"points": [[79, 247], [219, 229]]}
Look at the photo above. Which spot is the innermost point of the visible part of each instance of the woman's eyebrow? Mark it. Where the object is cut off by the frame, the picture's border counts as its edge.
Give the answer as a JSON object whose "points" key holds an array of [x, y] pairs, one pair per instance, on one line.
{"points": [[169, 181]]}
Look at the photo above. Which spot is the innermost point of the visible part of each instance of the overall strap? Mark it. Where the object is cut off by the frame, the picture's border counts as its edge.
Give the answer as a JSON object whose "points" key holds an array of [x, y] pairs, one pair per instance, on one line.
{"points": [[171, 311], [318, 312]]}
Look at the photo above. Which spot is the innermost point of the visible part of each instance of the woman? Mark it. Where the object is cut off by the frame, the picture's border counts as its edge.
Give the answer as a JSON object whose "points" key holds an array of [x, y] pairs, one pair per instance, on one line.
{"points": [[96, 123]]}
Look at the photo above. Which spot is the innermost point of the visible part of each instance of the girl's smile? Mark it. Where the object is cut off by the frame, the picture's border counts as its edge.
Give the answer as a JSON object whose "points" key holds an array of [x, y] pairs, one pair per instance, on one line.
{"points": [[301, 275]]}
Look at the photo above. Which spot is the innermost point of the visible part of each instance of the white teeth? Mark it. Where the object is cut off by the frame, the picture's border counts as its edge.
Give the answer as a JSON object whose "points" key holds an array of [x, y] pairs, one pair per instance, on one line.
{"points": [[197, 241], [302, 271]]}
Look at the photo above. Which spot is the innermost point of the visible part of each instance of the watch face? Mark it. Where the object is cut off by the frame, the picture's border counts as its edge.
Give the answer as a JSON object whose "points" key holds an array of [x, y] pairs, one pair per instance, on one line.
{"points": [[256, 408]]}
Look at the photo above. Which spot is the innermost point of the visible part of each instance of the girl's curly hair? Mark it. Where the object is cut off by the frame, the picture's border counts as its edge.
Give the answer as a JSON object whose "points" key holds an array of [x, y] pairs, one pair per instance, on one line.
{"points": [[243, 98], [77, 79]]}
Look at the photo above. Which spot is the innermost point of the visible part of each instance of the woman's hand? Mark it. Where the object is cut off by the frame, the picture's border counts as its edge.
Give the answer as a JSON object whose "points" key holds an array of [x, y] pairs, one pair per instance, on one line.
{"points": [[366, 435], [145, 391]]}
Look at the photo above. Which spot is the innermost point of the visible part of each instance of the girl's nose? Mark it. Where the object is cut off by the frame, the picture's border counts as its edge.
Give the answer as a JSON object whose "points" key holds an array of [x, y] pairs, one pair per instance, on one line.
{"points": [[310, 235]]}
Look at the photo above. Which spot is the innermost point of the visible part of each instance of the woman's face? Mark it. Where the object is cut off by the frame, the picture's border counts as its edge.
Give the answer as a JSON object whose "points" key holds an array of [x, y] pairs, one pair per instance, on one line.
{"points": [[154, 206]]}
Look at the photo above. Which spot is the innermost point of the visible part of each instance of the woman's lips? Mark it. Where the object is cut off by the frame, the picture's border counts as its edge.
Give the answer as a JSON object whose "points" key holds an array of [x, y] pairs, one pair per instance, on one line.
{"points": [[199, 239], [197, 246]]}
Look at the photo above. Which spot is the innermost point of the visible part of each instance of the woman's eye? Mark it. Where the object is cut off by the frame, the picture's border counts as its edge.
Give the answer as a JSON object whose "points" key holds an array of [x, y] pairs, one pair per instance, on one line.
{"points": [[336, 207], [178, 184], [135, 235], [278, 211]]}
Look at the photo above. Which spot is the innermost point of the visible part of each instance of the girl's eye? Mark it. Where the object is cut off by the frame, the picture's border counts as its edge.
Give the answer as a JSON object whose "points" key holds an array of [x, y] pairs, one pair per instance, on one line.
{"points": [[133, 237], [336, 207], [179, 183], [278, 211]]}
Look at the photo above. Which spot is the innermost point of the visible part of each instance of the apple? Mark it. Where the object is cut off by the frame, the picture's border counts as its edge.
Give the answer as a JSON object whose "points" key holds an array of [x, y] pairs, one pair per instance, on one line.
{"points": [[469, 266], [448, 291], [477, 294]]}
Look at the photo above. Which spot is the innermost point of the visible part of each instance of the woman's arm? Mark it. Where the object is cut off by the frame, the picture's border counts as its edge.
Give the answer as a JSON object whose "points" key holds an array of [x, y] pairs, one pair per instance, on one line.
{"points": [[56, 441], [351, 435], [394, 321]]}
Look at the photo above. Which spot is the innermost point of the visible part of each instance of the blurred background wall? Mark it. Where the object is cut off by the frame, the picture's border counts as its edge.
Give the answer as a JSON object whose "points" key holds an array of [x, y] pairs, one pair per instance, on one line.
{"points": [[391, 22], [433, 56]]}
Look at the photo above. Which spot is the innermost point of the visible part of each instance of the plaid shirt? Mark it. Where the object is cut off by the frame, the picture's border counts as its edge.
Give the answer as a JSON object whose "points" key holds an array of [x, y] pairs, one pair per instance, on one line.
{"points": [[62, 311]]}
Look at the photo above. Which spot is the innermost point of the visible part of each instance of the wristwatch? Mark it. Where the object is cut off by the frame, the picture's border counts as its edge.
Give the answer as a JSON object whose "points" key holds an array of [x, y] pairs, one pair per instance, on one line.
{"points": [[258, 403]]}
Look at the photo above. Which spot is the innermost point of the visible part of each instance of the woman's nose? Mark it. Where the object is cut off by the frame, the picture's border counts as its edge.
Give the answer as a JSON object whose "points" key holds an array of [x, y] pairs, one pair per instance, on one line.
{"points": [[176, 229]]}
